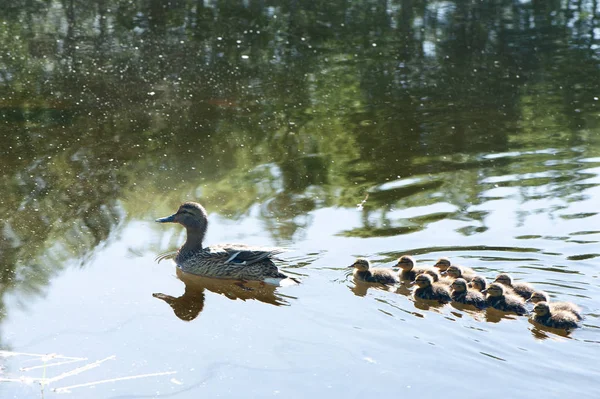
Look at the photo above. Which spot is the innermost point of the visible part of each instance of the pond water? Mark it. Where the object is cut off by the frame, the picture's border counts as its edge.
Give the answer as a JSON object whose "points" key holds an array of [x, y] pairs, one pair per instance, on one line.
{"points": [[473, 128]]}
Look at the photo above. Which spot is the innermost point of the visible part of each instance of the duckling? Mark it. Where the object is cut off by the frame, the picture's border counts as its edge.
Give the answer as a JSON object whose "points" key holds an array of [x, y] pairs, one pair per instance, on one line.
{"points": [[498, 299], [461, 294], [444, 263], [364, 272], [541, 296], [430, 290], [549, 317], [455, 272], [522, 289], [479, 283], [410, 270], [228, 261]]}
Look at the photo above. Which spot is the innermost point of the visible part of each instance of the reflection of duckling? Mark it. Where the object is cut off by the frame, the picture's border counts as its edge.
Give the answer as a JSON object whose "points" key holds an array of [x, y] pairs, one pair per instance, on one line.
{"points": [[455, 272], [430, 290], [444, 263], [498, 299], [524, 290], [479, 283], [541, 296], [461, 294], [410, 270], [364, 272], [553, 318]]}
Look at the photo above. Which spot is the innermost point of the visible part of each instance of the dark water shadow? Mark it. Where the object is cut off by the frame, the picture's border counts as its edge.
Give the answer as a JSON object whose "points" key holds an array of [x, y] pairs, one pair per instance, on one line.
{"points": [[542, 332], [191, 303]]}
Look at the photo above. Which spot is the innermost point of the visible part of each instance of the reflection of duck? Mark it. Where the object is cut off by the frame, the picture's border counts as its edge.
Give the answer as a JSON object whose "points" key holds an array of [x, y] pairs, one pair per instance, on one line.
{"points": [[410, 270], [478, 283], [444, 263], [430, 290], [524, 290], [499, 299], [364, 272], [227, 261], [189, 305], [553, 318], [541, 296], [461, 294]]}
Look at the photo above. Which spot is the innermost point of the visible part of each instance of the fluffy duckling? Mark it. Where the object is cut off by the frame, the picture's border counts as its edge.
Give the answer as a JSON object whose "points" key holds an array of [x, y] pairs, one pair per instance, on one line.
{"points": [[410, 270], [499, 299], [455, 272], [430, 290], [479, 283], [364, 272], [444, 263], [461, 294], [524, 290], [541, 296], [553, 318]]}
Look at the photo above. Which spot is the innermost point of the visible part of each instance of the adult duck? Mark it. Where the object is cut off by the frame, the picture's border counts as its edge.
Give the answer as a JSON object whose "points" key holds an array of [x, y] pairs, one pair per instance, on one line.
{"points": [[228, 261]]}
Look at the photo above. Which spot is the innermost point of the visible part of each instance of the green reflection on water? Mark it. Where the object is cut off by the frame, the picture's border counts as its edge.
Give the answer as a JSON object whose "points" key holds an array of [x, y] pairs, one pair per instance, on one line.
{"points": [[111, 110]]}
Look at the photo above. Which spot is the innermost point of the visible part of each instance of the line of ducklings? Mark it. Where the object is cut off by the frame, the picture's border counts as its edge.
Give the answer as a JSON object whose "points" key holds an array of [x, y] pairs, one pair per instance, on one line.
{"points": [[445, 282]]}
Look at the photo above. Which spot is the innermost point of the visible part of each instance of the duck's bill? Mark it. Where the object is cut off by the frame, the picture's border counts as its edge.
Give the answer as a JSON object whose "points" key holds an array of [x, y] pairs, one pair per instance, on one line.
{"points": [[168, 219], [349, 267]]}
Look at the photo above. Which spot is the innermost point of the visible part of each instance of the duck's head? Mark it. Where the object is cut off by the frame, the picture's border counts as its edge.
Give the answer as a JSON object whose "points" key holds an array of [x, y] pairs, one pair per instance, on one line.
{"points": [[504, 279], [539, 296], [479, 283], [189, 215], [443, 264], [361, 265], [541, 309], [495, 290], [406, 262], [459, 285], [454, 271], [423, 280]]}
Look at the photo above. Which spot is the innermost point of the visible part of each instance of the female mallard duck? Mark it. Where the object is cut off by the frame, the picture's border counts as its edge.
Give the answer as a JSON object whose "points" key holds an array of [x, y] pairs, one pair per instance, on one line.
{"points": [[430, 290], [444, 263], [461, 294], [524, 290], [479, 283], [455, 272], [410, 270], [499, 299], [364, 272], [541, 296], [231, 261], [549, 317]]}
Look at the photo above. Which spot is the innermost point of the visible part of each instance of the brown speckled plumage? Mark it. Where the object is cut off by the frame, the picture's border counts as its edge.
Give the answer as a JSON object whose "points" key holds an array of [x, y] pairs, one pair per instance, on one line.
{"points": [[498, 299], [549, 317], [443, 264], [410, 270], [364, 272], [522, 289], [459, 272], [231, 261], [478, 283], [461, 294], [541, 296], [427, 289]]}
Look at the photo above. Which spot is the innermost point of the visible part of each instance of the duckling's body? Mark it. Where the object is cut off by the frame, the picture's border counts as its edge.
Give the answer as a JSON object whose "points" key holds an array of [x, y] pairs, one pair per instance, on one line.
{"points": [[444, 263], [479, 283], [430, 290], [455, 272], [364, 272], [410, 270], [522, 289], [227, 261], [554, 318], [498, 299], [461, 294], [541, 296]]}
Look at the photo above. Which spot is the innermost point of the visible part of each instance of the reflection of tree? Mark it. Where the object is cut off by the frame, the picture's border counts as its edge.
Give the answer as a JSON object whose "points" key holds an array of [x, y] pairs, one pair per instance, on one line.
{"points": [[106, 106]]}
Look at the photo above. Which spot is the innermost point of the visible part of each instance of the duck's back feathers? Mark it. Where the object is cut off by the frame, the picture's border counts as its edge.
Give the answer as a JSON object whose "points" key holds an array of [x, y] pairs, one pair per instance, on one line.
{"points": [[437, 292], [558, 319], [377, 275], [567, 307], [470, 297], [507, 303]]}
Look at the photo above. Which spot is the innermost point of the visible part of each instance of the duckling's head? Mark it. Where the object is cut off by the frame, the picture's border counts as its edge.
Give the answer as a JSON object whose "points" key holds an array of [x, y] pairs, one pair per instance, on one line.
{"points": [[189, 215], [459, 285], [504, 279], [539, 296], [443, 264], [454, 271], [423, 280], [479, 283], [541, 309], [406, 262], [495, 290], [361, 264]]}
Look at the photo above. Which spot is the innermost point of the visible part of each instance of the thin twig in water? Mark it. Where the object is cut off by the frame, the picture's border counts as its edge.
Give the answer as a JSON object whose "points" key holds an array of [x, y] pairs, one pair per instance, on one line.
{"points": [[363, 202], [131, 377], [78, 370]]}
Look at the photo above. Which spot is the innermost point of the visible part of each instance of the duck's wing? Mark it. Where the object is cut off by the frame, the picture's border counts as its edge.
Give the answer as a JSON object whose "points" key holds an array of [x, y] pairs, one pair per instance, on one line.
{"points": [[240, 254]]}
